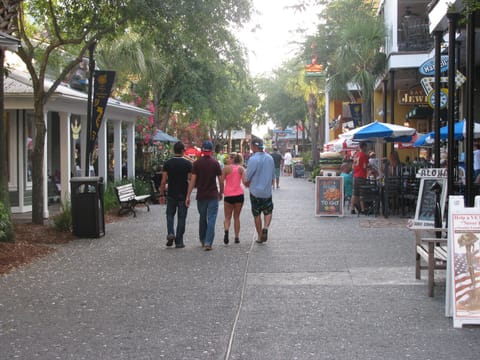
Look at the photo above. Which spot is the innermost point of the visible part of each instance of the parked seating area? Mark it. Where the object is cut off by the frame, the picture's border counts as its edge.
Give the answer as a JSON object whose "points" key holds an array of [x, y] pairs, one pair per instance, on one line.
{"points": [[396, 195], [129, 200], [370, 194]]}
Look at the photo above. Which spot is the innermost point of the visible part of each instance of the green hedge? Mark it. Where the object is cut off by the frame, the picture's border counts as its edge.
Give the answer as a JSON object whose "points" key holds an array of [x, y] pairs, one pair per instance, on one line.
{"points": [[6, 228]]}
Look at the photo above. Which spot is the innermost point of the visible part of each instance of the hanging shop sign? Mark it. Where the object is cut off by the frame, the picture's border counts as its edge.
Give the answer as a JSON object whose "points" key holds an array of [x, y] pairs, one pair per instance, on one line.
{"points": [[428, 67], [428, 87], [443, 98], [413, 96]]}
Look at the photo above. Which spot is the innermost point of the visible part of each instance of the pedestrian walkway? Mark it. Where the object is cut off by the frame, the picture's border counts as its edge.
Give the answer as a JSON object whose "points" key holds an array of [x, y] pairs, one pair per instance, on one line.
{"points": [[319, 288]]}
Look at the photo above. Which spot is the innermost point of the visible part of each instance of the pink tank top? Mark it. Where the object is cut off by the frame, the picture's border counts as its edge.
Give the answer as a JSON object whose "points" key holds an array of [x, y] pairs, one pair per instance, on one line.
{"points": [[233, 182]]}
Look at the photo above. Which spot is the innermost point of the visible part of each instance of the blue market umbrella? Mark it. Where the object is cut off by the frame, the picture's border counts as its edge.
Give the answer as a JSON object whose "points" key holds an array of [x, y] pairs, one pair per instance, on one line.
{"points": [[425, 140], [164, 137], [381, 131], [459, 131]]}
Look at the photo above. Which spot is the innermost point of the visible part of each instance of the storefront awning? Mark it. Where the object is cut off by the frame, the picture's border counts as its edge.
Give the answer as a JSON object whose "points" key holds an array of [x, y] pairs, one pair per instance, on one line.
{"points": [[419, 112]]}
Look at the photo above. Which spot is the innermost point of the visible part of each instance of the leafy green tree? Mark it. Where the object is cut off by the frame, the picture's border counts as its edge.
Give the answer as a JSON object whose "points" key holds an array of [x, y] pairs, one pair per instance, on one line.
{"points": [[187, 62], [283, 95], [350, 38], [55, 37], [304, 98]]}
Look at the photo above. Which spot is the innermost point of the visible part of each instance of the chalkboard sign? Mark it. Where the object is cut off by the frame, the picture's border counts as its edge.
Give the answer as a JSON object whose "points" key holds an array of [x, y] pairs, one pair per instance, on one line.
{"points": [[329, 196], [425, 211]]}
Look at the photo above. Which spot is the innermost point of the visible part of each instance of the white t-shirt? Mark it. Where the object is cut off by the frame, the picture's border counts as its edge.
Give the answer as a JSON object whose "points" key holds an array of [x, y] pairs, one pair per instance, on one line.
{"points": [[287, 159]]}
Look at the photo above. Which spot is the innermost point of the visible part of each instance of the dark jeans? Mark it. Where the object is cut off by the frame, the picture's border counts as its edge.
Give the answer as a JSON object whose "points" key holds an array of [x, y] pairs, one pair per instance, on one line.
{"points": [[208, 210], [174, 203]]}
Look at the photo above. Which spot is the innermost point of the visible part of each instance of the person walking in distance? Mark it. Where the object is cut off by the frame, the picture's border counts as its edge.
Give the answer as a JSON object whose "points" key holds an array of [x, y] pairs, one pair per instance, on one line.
{"points": [[233, 176], [287, 162], [176, 172], [277, 160], [360, 161], [260, 179], [205, 173]]}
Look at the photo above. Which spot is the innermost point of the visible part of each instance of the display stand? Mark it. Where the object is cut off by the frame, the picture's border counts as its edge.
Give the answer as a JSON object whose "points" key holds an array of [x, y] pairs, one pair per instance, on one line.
{"points": [[462, 296]]}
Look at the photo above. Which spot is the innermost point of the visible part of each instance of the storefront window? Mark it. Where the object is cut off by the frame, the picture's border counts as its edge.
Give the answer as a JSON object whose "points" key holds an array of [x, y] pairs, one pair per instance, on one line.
{"points": [[76, 126]]}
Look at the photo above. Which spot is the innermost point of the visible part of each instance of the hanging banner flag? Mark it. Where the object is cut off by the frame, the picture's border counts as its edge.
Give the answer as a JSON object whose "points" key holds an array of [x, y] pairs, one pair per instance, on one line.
{"points": [[102, 86], [356, 111]]}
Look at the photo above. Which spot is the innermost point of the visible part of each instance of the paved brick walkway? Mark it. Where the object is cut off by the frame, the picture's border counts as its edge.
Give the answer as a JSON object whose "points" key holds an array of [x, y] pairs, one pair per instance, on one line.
{"points": [[320, 288]]}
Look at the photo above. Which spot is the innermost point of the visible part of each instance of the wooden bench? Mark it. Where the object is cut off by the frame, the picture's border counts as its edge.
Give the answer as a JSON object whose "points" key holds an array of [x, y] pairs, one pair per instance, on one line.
{"points": [[128, 200], [433, 250]]}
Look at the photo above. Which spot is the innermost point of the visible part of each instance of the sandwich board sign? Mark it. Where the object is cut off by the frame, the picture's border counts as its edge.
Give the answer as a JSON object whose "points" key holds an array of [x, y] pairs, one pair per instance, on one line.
{"points": [[462, 296], [426, 200], [329, 196]]}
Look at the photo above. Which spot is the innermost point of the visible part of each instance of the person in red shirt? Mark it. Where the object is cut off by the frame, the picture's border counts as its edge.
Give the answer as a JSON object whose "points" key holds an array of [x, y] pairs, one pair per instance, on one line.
{"points": [[360, 162]]}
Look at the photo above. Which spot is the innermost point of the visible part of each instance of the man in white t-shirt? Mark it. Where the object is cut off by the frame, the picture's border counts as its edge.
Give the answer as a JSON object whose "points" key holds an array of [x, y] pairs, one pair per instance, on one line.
{"points": [[287, 162]]}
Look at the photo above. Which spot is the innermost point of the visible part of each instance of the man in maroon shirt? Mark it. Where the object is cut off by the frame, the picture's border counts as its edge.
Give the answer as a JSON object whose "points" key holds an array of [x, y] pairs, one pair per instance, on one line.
{"points": [[360, 162], [206, 172]]}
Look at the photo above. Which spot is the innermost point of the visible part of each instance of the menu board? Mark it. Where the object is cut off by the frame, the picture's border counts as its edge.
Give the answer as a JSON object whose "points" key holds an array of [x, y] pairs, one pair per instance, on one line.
{"points": [[425, 211], [329, 196]]}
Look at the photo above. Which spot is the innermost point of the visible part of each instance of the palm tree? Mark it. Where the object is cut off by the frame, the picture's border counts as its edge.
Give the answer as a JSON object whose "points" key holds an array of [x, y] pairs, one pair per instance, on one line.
{"points": [[137, 59], [350, 39]]}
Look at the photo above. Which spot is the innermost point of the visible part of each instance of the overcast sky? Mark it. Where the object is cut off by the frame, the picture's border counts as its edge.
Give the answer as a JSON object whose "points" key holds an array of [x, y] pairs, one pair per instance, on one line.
{"points": [[269, 46]]}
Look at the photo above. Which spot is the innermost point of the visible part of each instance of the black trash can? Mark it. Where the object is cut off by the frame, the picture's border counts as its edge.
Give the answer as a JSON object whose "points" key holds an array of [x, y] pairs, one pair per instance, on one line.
{"points": [[87, 206]]}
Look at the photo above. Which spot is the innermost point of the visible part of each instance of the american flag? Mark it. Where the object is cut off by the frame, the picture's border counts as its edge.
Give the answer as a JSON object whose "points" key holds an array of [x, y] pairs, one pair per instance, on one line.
{"points": [[463, 281]]}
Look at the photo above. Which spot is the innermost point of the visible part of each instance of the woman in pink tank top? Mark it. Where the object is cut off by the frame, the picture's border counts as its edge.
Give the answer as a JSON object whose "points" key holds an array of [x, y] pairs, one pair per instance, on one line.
{"points": [[233, 177]]}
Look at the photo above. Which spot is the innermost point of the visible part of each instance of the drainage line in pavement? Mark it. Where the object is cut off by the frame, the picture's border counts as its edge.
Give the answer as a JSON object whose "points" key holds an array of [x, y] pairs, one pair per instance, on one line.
{"points": [[242, 294]]}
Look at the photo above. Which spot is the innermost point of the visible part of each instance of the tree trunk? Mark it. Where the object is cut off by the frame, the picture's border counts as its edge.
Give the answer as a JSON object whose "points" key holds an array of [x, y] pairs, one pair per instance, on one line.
{"points": [[312, 109], [37, 160], [321, 132], [156, 104], [168, 110], [366, 111], [4, 195]]}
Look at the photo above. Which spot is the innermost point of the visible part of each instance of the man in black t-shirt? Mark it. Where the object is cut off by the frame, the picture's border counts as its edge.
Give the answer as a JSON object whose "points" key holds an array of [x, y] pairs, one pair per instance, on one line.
{"points": [[176, 171], [277, 161]]}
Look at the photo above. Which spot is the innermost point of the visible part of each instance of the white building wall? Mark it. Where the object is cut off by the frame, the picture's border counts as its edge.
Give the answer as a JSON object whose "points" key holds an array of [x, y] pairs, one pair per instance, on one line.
{"points": [[391, 23]]}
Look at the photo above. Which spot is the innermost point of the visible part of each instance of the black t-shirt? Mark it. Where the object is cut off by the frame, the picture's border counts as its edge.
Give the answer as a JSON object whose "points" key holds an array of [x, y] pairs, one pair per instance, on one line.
{"points": [[178, 169], [277, 159]]}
